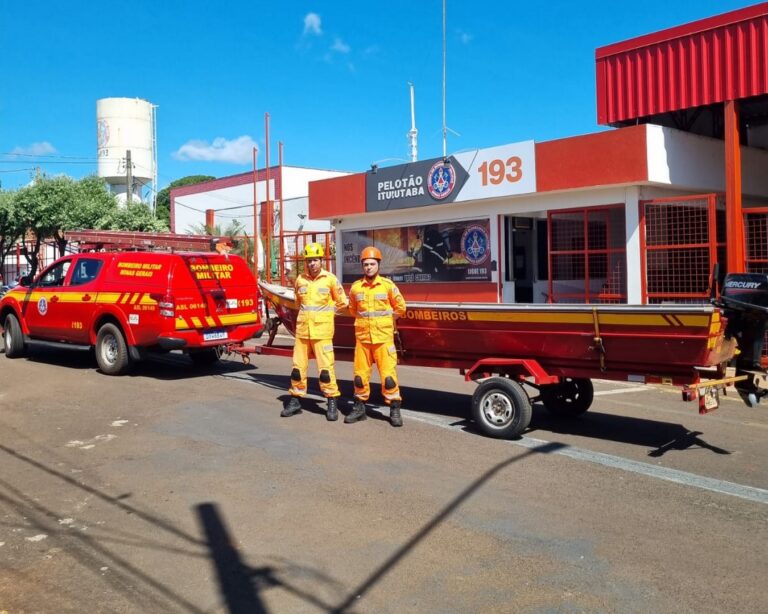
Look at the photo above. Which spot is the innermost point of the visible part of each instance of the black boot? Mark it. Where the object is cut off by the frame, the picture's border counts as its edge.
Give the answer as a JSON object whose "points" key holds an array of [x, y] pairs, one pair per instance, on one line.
{"points": [[394, 414], [292, 408], [332, 414], [357, 414]]}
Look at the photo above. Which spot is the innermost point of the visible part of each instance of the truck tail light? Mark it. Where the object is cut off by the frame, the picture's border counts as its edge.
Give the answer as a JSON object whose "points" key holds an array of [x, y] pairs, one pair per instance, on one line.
{"points": [[166, 304]]}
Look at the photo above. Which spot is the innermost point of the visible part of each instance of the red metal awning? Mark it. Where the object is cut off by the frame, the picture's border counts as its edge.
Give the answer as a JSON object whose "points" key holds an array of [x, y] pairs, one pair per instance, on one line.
{"points": [[701, 63]]}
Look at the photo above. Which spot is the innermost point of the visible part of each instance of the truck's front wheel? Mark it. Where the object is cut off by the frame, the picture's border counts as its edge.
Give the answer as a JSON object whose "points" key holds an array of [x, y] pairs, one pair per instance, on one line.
{"points": [[112, 351]]}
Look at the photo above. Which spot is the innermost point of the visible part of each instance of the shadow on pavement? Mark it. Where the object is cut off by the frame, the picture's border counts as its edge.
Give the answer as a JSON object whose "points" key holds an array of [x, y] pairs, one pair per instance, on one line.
{"points": [[170, 366], [662, 437]]}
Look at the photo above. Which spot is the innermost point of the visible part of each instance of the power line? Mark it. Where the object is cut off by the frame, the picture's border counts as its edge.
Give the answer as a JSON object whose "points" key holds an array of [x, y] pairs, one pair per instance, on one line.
{"points": [[17, 170], [47, 162], [32, 155]]}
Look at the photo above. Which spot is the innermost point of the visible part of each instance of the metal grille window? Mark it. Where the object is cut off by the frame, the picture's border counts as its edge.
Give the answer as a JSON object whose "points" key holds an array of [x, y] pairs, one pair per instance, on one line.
{"points": [[756, 230], [587, 255], [681, 238]]}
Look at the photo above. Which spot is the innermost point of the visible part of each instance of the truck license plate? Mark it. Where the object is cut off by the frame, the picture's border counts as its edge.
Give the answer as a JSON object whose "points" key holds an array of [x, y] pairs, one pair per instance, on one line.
{"points": [[214, 335]]}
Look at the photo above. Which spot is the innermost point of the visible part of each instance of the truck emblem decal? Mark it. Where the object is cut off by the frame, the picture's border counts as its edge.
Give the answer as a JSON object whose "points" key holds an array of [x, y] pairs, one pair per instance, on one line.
{"points": [[42, 306]]}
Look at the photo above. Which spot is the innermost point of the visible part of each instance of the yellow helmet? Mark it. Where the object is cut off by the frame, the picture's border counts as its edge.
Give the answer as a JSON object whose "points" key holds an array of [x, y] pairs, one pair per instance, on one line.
{"points": [[313, 250]]}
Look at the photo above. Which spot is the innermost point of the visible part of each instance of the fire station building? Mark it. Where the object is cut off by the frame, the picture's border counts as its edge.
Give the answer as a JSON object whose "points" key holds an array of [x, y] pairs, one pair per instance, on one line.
{"points": [[638, 214]]}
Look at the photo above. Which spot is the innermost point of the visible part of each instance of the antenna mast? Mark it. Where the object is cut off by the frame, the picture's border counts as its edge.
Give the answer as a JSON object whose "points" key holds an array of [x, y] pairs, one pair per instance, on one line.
{"points": [[413, 132], [445, 127]]}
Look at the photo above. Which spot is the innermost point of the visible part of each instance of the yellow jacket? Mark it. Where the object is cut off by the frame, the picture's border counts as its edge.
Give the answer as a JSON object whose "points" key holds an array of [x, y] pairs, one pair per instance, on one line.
{"points": [[375, 304], [318, 299]]}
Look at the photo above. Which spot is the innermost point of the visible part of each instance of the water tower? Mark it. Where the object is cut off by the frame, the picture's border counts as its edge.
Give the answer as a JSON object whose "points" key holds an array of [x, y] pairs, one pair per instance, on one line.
{"points": [[126, 141]]}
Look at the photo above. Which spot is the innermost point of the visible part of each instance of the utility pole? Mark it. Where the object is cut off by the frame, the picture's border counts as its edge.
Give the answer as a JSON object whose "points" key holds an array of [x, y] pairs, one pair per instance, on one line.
{"points": [[128, 178]]}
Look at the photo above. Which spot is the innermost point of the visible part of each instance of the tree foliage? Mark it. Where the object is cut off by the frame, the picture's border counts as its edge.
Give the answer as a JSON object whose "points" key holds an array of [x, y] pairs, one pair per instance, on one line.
{"points": [[50, 206], [10, 228], [234, 231], [163, 202], [137, 217]]}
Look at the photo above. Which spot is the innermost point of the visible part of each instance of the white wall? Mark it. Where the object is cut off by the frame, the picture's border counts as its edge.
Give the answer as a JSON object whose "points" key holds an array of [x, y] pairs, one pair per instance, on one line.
{"points": [[697, 163], [236, 202]]}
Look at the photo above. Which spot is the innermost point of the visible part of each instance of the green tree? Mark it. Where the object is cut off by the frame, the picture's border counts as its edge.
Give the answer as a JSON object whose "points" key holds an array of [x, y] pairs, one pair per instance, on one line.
{"points": [[10, 230], [163, 203], [138, 217], [92, 206], [242, 244], [42, 209]]}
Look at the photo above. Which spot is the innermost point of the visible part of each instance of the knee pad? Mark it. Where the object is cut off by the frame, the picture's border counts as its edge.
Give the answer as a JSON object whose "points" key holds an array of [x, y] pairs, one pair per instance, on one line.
{"points": [[389, 383], [296, 375], [358, 381], [325, 376]]}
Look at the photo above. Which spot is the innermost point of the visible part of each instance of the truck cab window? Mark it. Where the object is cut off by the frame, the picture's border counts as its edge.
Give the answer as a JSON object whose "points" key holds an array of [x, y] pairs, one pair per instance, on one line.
{"points": [[55, 276], [86, 270]]}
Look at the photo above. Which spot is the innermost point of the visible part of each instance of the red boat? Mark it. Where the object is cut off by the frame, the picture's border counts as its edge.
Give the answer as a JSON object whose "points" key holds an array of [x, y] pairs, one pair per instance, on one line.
{"points": [[558, 349]]}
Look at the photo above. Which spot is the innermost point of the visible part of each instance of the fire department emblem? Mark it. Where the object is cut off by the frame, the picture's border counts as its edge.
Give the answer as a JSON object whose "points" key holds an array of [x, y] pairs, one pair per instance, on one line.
{"points": [[42, 306], [441, 180], [474, 245]]}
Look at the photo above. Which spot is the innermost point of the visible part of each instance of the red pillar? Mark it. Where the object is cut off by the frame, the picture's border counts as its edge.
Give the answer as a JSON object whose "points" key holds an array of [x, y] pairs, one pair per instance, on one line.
{"points": [[210, 219], [734, 217]]}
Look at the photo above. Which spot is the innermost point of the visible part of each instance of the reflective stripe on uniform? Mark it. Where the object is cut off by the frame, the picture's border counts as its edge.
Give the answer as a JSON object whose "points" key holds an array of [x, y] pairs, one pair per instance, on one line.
{"points": [[375, 314]]}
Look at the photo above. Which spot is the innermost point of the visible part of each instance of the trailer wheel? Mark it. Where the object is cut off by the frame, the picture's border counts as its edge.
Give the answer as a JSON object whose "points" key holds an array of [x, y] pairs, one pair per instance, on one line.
{"points": [[570, 398], [206, 357], [13, 338], [112, 351], [501, 408]]}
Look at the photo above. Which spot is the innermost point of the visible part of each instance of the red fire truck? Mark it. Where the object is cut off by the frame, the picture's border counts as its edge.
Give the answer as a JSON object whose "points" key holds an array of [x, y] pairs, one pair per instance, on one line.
{"points": [[127, 303]]}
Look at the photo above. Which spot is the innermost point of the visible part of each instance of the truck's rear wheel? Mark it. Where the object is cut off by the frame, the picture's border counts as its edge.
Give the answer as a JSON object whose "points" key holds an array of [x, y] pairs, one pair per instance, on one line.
{"points": [[13, 338], [112, 351], [501, 408], [206, 357], [569, 398]]}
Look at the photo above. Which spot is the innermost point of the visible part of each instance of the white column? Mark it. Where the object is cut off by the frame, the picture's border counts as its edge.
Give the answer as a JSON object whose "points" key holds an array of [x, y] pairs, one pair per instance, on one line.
{"points": [[634, 256]]}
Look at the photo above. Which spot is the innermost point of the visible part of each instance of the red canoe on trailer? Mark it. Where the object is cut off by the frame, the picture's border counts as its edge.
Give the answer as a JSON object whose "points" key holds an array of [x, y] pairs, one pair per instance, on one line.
{"points": [[558, 349]]}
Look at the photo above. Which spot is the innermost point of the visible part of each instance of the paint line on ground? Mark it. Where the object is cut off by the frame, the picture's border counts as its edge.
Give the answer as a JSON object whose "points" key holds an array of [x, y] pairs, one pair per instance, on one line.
{"points": [[601, 393], [749, 493]]}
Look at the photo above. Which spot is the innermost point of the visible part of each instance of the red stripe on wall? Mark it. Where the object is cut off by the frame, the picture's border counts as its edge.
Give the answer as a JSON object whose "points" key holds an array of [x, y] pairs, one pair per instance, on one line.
{"points": [[605, 158], [337, 196]]}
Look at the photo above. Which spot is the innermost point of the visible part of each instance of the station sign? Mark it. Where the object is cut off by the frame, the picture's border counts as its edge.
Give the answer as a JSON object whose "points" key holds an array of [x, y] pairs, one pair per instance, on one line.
{"points": [[506, 170]]}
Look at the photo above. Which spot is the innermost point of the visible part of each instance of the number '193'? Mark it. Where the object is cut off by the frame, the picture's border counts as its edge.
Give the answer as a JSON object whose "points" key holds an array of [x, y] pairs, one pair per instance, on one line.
{"points": [[497, 171]]}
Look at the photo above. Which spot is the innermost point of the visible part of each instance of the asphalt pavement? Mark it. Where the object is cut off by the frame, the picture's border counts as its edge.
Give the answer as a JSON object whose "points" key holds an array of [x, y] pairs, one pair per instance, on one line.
{"points": [[182, 490]]}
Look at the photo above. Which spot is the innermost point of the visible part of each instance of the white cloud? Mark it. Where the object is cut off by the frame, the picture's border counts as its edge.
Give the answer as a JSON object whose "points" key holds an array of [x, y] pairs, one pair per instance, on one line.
{"points": [[237, 151], [35, 149], [313, 24], [465, 37], [340, 46]]}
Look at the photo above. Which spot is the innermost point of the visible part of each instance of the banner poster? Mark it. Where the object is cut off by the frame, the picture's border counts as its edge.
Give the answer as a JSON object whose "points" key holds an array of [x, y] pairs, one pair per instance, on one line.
{"points": [[439, 252]]}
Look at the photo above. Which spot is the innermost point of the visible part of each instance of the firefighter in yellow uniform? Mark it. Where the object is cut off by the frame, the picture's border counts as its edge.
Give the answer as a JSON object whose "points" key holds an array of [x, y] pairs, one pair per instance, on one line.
{"points": [[318, 295], [376, 303]]}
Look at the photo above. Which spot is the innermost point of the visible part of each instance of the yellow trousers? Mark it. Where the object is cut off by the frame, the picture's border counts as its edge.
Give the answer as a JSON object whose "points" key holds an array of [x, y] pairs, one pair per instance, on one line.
{"points": [[385, 357], [322, 349]]}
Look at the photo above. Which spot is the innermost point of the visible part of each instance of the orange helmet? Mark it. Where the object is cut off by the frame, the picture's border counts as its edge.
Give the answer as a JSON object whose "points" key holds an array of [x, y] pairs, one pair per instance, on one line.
{"points": [[370, 252]]}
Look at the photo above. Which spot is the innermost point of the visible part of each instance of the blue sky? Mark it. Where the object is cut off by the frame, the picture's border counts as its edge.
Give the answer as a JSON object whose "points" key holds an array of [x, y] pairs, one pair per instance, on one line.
{"points": [[332, 75]]}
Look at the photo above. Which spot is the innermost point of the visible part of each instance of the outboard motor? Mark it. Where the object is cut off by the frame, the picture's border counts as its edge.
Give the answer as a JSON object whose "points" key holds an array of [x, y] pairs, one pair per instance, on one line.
{"points": [[744, 301]]}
